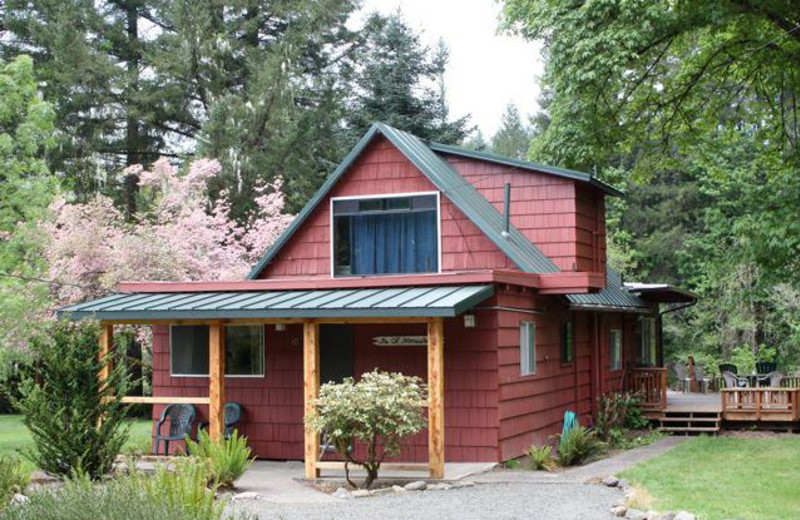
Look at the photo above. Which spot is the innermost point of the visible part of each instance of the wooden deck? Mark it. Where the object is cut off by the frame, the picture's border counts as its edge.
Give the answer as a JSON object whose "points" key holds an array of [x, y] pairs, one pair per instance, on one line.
{"points": [[710, 412], [680, 402]]}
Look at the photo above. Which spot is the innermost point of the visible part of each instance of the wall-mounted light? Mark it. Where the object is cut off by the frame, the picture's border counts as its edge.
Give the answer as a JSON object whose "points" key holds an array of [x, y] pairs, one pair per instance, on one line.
{"points": [[280, 327], [469, 321]]}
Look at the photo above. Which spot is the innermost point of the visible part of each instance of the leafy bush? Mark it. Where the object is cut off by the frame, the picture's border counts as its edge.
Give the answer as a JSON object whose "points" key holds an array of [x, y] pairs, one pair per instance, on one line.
{"points": [[227, 460], [617, 412], [378, 410], [168, 495], [13, 478], [542, 457], [578, 445], [77, 426]]}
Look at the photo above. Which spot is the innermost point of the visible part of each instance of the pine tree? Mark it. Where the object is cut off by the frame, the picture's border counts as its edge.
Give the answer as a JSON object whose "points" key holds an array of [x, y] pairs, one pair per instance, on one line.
{"points": [[513, 138], [398, 81], [88, 58], [258, 83]]}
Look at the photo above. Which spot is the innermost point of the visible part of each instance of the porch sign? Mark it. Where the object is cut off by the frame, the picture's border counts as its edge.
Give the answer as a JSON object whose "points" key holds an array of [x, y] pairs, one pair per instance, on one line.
{"points": [[400, 341]]}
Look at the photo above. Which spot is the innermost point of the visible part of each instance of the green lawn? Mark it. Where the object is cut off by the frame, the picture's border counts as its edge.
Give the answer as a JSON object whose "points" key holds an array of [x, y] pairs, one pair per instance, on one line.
{"points": [[717, 478], [14, 435]]}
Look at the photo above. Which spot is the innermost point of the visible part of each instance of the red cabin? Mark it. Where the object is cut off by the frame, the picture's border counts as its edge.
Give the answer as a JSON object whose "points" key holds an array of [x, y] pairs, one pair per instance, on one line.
{"points": [[485, 275]]}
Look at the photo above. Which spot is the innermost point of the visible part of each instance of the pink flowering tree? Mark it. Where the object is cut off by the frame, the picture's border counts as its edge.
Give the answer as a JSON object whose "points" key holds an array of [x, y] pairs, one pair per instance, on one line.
{"points": [[182, 235]]}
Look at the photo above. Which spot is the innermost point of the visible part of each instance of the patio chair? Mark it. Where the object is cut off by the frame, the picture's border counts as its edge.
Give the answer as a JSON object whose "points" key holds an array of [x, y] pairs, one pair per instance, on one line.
{"points": [[684, 380], [775, 379], [701, 380], [728, 367], [233, 414], [734, 381], [766, 367], [181, 420]]}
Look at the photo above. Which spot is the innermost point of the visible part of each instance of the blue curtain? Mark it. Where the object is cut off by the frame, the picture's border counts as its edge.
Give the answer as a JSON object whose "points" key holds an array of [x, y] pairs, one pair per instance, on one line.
{"points": [[393, 243]]}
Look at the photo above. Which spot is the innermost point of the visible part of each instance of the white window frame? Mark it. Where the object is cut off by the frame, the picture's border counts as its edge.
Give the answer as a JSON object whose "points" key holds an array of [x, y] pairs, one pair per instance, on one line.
{"points": [[387, 196], [527, 348], [262, 375], [611, 334]]}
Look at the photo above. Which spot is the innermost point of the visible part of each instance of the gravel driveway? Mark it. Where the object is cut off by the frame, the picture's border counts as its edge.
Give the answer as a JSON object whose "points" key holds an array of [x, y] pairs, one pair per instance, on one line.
{"points": [[540, 501]]}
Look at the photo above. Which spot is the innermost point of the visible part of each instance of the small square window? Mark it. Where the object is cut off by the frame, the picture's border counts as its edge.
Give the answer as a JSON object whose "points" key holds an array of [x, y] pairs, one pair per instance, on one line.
{"points": [[527, 348], [567, 343]]}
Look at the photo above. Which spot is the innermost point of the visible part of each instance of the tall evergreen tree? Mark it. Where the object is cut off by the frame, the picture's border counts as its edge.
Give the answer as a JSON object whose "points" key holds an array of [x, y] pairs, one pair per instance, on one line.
{"points": [[513, 137], [398, 80], [88, 58], [259, 83], [256, 83]]}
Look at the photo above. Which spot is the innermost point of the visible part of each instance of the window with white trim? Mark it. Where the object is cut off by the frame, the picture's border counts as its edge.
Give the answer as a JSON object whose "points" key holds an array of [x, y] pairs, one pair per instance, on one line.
{"points": [[615, 349], [244, 350], [385, 235], [527, 348]]}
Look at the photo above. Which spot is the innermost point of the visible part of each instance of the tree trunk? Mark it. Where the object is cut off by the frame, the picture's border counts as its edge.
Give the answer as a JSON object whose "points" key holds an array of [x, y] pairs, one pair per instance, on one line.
{"points": [[133, 138]]}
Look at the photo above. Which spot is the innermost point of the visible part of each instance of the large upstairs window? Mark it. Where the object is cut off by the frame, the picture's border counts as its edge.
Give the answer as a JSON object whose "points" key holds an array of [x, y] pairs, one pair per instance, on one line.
{"points": [[396, 234]]}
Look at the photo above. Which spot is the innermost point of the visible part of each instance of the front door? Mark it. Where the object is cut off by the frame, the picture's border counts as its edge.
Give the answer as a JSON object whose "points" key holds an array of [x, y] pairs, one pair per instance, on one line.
{"points": [[336, 354]]}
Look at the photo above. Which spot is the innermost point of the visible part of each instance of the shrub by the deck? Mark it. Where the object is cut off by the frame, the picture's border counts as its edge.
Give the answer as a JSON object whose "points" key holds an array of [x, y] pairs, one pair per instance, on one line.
{"points": [[77, 425], [378, 410]]}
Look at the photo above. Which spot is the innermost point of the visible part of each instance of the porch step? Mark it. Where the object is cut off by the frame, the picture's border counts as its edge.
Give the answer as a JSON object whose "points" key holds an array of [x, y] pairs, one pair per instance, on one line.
{"points": [[688, 423], [713, 419], [689, 429]]}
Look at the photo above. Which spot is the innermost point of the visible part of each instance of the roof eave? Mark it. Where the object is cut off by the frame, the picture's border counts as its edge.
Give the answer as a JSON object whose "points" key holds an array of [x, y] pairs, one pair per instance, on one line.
{"points": [[530, 166]]}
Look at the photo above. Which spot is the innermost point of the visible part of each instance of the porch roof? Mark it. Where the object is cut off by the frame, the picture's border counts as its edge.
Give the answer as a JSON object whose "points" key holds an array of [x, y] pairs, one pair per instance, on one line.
{"points": [[394, 302]]}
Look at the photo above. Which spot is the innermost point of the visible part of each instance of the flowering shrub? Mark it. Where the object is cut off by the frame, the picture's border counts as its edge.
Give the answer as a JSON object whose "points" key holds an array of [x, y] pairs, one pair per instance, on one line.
{"points": [[378, 410], [182, 235]]}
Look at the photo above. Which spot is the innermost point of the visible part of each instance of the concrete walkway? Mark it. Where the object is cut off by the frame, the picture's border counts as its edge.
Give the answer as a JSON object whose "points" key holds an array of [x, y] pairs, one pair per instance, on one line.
{"points": [[601, 468]]}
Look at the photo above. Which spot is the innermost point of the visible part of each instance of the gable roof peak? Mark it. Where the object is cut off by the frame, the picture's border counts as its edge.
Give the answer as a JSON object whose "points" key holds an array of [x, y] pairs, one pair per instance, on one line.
{"points": [[516, 246]]}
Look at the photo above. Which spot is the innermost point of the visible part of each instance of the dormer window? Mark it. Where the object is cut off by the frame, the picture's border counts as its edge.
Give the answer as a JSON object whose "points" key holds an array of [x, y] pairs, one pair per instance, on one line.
{"points": [[392, 234]]}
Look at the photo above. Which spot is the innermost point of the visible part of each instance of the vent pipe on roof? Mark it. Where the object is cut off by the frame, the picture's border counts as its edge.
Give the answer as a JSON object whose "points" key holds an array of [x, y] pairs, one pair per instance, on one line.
{"points": [[506, 210]]}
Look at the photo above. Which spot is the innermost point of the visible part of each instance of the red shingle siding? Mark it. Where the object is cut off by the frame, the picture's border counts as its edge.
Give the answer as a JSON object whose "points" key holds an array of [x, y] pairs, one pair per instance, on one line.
{"points": [[382, 169], [273, 406], [558, 215], [532, 407]]}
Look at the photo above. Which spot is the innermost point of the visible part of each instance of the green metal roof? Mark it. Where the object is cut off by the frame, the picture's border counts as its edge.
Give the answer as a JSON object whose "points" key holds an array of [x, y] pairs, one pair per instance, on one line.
{"points": [[526, 165], [436, 301], [615, 296], [480, 211]]}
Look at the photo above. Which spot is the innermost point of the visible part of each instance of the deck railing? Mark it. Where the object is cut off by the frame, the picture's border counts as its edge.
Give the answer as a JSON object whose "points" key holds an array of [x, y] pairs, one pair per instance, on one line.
{"points": [[651, 385], [761, 404], [791, 381]]}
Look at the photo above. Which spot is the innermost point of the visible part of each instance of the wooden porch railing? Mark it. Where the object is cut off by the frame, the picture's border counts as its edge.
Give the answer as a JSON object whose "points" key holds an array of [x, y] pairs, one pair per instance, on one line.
{"points": [[760, 404], [651, 385]]}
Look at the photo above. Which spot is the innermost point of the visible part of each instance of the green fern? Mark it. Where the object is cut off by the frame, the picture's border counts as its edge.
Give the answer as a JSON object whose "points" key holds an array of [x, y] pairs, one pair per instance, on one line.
{"points": [[226, 460], [542, 457]]}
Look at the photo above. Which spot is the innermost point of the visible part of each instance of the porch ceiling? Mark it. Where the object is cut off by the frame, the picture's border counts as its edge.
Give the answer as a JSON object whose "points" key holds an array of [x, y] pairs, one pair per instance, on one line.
{"points": [[394, 302]]}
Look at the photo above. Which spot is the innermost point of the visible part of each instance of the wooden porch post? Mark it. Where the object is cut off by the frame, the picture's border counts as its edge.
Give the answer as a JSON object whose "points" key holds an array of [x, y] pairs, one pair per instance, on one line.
{"points": [[106, 345], [310, 393], [436, 398], [216, 390]]}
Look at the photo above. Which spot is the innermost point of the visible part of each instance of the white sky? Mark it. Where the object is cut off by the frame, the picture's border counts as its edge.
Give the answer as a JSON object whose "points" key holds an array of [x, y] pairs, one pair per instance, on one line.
{"points": [[486, 70]]}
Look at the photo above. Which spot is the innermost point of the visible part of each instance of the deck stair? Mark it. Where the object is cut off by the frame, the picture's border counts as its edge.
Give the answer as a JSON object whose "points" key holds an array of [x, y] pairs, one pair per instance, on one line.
{"points": [[691, 422]]}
